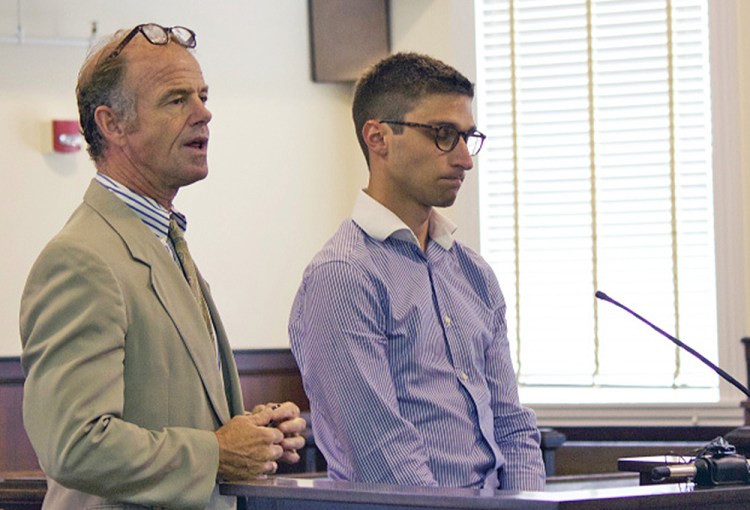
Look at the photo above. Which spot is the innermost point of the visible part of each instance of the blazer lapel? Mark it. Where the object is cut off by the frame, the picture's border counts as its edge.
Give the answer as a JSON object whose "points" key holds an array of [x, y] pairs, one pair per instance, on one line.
{"points": [[170, 287]]}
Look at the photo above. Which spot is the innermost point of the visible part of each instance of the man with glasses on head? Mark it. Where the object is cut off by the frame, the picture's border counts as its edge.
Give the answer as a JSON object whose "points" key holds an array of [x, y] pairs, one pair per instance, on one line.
{"points": [[132, 397], [398, 329]]}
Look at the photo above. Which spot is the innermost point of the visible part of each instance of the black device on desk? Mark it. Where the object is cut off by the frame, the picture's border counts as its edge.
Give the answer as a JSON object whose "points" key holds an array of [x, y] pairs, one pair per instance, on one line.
{"points": [[717, 464]]}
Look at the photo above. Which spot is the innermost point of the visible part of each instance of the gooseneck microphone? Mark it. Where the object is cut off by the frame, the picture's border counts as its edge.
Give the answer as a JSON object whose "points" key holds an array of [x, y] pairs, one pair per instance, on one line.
{"points": [[601, 295], [718, 463]]}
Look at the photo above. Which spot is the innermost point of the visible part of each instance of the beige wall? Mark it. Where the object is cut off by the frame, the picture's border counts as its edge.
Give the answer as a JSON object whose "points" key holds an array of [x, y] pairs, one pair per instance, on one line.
{"points": [[284, 162], [743, 108]]}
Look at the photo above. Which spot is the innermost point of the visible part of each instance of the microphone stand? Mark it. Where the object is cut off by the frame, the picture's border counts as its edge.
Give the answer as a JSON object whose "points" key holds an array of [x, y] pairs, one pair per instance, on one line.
{"points": [[601, 295], [717, 463]]}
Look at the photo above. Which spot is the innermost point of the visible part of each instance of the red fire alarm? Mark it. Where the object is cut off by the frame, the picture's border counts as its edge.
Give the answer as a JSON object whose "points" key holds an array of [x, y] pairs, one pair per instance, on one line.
{"points": [[66, 136]]}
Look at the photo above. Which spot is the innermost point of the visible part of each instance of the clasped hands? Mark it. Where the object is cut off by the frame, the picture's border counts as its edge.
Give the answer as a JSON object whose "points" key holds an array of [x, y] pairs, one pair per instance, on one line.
{"points": [[251, 445]]}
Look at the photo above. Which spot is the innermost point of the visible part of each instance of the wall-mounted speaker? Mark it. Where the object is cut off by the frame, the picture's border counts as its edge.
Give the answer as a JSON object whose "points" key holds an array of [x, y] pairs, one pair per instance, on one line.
{"points": [[346, 37]]}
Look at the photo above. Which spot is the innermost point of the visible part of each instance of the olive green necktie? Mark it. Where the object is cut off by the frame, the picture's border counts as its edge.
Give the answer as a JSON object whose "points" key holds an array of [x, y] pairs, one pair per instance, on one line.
{"points": [[188, 268]]}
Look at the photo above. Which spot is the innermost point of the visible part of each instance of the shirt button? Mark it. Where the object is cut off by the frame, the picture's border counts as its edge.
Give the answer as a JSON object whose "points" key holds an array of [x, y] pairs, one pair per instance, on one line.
{"points": [[463, 375], [447, 320]]}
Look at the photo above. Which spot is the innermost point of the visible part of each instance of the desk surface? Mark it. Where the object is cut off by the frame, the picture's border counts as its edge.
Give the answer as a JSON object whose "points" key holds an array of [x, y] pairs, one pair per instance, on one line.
{"points": [[21, 491], [320, 494]]}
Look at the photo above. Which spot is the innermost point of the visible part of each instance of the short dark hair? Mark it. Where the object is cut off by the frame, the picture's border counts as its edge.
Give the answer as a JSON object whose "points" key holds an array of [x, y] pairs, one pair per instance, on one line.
{"points": [[100, 84], [392, 88]]}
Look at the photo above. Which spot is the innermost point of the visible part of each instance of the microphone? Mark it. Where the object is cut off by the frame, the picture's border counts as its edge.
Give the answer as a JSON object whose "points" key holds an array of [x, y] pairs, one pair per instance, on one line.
{"points": [[601, 295], [708, 470], [717, 463]]}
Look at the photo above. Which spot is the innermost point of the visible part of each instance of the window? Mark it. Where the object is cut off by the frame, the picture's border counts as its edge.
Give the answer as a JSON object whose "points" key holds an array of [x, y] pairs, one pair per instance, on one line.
{"points": [[597, 174]]}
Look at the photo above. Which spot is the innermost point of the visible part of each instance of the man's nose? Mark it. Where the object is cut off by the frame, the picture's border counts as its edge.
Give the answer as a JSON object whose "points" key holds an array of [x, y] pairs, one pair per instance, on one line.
{"points": [[462, 154], [202, 113]]}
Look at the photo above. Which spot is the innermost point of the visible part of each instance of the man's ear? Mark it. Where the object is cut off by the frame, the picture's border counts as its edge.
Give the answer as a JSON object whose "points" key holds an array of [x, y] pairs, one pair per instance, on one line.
{"points": [[110, 125], [373, 133]]}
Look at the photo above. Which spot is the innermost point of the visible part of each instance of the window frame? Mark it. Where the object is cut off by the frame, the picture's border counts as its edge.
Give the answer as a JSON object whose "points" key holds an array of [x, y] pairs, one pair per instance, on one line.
{"points": [[729, 252]]}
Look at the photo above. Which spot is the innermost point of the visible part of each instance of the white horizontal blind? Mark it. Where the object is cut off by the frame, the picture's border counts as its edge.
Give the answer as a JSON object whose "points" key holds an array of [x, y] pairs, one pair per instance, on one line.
{"points": [[596, 174]]}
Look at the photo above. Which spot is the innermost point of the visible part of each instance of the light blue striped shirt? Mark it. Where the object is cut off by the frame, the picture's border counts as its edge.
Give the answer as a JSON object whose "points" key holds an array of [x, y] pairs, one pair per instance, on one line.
{"points": [[148, 210], [405, 360]]}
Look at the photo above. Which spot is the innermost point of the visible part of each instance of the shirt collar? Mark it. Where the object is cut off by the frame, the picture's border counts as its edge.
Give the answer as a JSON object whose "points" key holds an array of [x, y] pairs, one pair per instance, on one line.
{"points": [[153, 214], [380, 223]]}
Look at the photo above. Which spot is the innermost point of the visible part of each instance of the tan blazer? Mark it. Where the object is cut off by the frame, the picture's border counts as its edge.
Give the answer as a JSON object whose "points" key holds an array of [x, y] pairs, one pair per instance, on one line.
{"points": [[122, 390]]}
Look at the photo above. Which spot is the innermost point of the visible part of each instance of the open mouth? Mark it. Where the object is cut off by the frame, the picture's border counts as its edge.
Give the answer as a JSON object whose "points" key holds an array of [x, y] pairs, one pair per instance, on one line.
{"points": [[198, 143]]}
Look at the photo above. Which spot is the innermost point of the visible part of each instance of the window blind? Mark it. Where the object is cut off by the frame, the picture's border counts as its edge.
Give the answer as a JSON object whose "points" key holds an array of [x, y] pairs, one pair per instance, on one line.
{"points": [[596, 174]]}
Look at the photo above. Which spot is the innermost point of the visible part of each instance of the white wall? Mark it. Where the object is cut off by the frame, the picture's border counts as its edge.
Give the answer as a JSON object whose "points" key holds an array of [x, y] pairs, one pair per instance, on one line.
{"points": [[284, 162]]}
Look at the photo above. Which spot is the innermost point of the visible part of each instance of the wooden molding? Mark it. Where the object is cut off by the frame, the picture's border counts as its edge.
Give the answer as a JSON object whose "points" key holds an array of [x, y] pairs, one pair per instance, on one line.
{"points": [[10, 370]]}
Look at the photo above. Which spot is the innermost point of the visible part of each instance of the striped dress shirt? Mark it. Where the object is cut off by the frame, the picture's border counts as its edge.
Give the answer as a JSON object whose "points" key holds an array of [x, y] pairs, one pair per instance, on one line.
{"points": [[405, 359], [151, 213]]}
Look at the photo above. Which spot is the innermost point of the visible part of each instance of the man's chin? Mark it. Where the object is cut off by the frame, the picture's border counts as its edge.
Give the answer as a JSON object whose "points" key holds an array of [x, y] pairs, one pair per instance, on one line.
{"points": [[187, 179], [198, 174], [446, 201]]}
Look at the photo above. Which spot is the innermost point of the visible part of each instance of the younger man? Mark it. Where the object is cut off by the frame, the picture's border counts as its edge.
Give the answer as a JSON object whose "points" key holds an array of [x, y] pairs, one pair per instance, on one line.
{"points": [[398, 329]]}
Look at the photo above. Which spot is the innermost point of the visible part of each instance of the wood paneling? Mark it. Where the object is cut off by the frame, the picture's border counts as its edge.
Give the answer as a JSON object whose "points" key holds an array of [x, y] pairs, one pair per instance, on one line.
{"points": [[22, 490], [641, 434], [269, 375], [16, 453]]}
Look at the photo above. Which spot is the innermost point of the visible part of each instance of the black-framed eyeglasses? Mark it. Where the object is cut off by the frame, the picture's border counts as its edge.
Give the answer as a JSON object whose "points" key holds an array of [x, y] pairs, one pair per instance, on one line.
{"points": [[159, 35], [446, 137]]}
